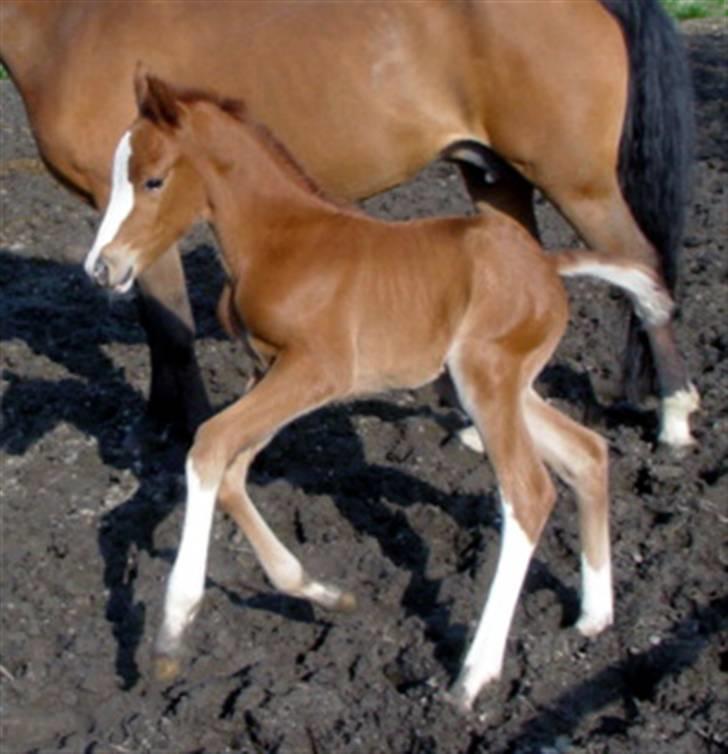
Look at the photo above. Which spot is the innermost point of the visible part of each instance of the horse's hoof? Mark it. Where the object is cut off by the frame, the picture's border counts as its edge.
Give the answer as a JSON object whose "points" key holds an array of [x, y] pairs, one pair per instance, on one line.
{"points": [[166, 668], [346, 603], [675, 419], [590, 626]]}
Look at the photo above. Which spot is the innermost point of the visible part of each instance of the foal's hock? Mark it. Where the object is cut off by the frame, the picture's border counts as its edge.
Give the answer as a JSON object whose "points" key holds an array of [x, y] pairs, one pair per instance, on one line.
{"points": [[335, 304]]}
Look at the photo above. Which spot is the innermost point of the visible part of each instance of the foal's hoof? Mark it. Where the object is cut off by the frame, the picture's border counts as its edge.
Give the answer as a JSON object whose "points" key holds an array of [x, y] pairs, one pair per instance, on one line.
{"points": [[458, 697], [591, 626], [346, 603], [327, 596], [166, 668], [670, 452]]}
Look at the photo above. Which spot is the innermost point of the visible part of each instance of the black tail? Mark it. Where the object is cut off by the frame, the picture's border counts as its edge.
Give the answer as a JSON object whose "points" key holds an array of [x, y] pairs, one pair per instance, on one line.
{"points": [[656, 150]]}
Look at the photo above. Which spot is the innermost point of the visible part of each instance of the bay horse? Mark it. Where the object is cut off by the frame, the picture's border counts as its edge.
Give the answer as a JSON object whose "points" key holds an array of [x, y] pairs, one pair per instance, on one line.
{"points": [[587, 100], [335, 304]]}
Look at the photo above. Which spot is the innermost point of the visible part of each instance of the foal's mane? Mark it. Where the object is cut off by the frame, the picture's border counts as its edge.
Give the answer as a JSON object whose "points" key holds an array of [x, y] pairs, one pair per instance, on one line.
{"points": [[238, 109]]}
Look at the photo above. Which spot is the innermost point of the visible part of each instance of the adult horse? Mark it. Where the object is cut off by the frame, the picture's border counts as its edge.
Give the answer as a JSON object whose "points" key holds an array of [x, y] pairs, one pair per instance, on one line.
{"points": [[587, 100]]}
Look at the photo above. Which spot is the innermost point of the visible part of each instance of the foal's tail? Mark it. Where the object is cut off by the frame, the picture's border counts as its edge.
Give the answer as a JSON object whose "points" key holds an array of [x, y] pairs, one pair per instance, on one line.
{"points": [[640, 283], [656, 148]]}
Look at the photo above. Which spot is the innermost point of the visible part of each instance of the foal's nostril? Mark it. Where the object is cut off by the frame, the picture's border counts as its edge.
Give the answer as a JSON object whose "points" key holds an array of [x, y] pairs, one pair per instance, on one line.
{"points": [[101, 272]]}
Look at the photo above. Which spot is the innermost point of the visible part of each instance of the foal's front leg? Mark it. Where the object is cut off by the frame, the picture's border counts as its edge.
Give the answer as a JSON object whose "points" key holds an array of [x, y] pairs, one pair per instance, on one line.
{"points": [[291, 388]]}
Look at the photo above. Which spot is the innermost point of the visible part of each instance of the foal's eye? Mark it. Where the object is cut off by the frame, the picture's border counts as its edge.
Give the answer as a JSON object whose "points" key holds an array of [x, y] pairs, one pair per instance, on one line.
{"points": [[152, 184]]}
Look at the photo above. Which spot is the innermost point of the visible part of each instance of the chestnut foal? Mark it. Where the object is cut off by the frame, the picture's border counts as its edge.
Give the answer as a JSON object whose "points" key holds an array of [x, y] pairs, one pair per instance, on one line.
{"points": [[336, 304]]}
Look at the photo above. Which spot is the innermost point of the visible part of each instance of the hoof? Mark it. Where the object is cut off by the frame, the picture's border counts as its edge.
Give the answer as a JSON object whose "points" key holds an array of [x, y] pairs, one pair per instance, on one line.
{"points": [[346, 603], [590, 627], [325, 595], [671, 451], [458, 699], [463, 702], [675, 420], [166, 668]]}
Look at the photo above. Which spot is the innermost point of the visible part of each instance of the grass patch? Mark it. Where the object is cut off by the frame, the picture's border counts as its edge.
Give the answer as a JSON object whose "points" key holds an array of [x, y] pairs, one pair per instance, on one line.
{"points": [[682, 10]]}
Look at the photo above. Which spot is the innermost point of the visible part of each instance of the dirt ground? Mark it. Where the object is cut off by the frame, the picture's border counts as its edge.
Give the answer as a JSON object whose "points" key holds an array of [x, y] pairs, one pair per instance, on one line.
{"points": [[375, 495]]}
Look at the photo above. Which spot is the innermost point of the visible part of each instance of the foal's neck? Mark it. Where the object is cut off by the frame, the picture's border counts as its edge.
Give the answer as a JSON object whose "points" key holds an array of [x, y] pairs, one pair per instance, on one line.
{"points": [[259, 194]]}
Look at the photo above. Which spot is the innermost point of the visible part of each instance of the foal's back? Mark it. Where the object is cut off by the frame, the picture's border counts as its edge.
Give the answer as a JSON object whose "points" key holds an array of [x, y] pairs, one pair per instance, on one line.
{"points": [[385, 303]]}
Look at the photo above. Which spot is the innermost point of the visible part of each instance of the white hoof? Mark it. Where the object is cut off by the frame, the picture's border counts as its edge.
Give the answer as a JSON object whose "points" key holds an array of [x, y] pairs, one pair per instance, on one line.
{"points": [[675, 421], [592, 625]]}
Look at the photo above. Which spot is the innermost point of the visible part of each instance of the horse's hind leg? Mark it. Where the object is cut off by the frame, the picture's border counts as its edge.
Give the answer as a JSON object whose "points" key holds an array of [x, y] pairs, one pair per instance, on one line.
{"points": [[491, 387], [580, 458], [282, 568], [603, 219]]}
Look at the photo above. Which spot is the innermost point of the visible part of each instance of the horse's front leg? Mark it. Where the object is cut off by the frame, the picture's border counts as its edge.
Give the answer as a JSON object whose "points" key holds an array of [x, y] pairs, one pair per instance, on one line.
{"points": [[292, 387], [177, 395]]}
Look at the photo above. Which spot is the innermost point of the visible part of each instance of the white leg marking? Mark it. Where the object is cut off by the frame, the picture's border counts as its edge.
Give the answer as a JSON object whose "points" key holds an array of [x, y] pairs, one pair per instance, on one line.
{"points": [[187, 580], [674, 423], [120, 203], [484, 660], [653, 304], [596, 598]]}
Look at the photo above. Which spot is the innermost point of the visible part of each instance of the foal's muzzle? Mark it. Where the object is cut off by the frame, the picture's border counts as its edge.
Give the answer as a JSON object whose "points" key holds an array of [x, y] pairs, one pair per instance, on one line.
{"points": [[119, 279], [100, 273]]}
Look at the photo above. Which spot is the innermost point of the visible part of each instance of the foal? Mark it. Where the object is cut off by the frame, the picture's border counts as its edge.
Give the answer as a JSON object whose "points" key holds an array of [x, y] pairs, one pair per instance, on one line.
{"points": [[335, 304]]}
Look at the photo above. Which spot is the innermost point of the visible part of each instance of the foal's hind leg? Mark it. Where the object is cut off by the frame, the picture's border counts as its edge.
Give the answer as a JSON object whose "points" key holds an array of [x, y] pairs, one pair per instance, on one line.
{"points": [[605, 222], [510, 193], [491, 387], [580, 458], [280, 565]]}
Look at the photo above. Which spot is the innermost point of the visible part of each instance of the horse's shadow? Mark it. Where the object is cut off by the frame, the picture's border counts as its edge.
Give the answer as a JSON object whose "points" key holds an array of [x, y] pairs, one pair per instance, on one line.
{"points": [[52, 309]]}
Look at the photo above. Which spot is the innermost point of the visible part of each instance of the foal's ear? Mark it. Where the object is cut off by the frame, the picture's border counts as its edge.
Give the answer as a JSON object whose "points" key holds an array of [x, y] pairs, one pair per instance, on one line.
{"points": [[155, 99]]}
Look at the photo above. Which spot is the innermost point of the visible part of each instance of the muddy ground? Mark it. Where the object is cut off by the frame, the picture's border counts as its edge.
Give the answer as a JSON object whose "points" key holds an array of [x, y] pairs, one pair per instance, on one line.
{"points": [[374, 495]]}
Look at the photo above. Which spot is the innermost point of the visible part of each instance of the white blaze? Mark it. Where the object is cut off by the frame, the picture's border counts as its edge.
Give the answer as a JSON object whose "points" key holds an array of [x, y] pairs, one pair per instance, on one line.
{"points": [[120, 203]]}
